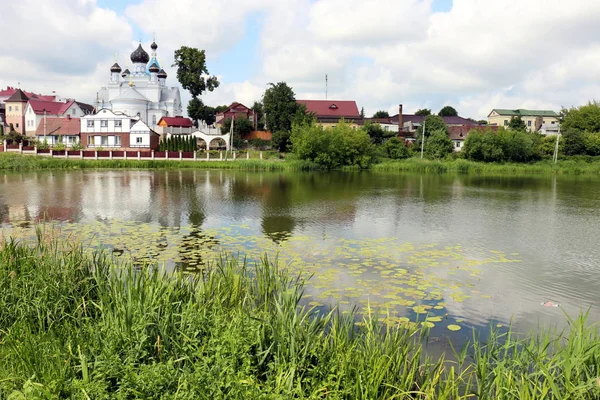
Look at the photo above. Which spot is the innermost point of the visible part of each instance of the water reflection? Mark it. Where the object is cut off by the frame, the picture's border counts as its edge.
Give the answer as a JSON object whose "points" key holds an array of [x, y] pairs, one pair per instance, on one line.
{"points": [[548, 223]]}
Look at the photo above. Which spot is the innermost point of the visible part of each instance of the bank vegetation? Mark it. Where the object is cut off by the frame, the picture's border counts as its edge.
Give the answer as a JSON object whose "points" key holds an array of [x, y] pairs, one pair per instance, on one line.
{"points": [[77, 325]]}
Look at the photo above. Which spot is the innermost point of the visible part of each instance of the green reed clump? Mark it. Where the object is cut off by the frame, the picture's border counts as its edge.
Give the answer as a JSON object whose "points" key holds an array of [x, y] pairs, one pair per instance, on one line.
{"points": [[81, 326]]}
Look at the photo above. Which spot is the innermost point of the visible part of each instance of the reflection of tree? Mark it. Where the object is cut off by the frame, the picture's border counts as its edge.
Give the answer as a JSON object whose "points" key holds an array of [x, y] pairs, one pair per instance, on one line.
{"points": [[277, 221]]}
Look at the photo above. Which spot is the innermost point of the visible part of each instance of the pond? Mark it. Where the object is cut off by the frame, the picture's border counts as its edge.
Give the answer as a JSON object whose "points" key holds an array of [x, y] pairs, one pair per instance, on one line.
{"points": [[463, 251]]}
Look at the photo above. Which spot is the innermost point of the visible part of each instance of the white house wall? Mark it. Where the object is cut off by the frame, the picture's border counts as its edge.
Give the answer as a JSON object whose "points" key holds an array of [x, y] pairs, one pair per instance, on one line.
{"points": [[144, 138]]}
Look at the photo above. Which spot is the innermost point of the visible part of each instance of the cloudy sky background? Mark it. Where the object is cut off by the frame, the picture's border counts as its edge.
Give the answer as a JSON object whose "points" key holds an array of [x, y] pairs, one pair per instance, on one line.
{"points": [[472, 54]]}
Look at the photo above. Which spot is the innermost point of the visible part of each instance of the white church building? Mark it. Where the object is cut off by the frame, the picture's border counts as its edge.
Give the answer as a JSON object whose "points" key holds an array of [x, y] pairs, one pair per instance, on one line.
{"points": [[141, 92]]}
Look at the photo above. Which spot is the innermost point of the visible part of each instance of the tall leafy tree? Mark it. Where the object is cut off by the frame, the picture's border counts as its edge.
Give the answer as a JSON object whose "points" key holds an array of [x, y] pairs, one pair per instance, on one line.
{"points": [[377, 134], [423, 112], [381, 114], [242, 126], [517, 124], [198, 111], [362, 112], [432, 123], [584, 118], [448, 111], [259, 112], [194, 77], [279, 103]]}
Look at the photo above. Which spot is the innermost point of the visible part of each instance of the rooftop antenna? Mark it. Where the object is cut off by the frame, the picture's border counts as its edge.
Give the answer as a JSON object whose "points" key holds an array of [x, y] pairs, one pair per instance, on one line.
{"points": [[325, 86]]}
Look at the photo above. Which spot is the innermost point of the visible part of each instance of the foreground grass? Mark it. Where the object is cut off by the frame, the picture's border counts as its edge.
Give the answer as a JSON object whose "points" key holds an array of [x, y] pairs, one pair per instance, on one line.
{"points": [[566, 167], [75, 325], [18, 162]]}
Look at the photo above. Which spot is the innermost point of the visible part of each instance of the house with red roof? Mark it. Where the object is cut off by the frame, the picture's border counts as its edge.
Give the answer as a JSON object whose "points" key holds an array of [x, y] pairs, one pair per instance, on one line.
{"points": [[38, 109], [56, 130], [174, 125], [15, 110], [328, 113], [236, 110]]}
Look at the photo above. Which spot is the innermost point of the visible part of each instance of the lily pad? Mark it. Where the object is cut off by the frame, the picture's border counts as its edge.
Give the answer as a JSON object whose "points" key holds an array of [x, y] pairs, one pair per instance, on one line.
{"points": [[454, 328]]}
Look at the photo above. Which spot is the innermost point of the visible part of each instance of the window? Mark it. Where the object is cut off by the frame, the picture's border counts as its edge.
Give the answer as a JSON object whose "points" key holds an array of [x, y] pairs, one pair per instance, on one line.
{"points": [[90, 124], [154, 120], [104, 123], [138, 140], [91, 140], [528, 123], [117, 140], [9, 108], [118, 123], [17, 124], [71, 139], [457, 145], [544, 121], [104, 140], [72, 111], [553, 122], [505, 122]]}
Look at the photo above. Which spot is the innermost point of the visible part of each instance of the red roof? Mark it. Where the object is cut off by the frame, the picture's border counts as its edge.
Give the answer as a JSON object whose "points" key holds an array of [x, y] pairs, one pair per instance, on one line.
{"points": [[332, 108], [51, 107], [9, 91], [177, 122], [59, 126]]}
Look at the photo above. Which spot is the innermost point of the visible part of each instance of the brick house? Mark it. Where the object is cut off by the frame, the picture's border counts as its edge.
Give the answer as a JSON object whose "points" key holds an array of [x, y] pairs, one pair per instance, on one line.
{"points": [[236, 110], [328, 113]]}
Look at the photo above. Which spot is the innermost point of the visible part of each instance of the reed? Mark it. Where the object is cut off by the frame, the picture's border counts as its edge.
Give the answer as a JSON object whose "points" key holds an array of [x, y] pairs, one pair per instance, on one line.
{"points": [[563, 167], [80, 325]]}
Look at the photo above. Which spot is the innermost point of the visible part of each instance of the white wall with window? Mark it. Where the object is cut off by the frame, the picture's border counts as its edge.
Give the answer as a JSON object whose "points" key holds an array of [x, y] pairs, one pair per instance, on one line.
{"points": [[108, 141], [140, 135], [105, 121]]}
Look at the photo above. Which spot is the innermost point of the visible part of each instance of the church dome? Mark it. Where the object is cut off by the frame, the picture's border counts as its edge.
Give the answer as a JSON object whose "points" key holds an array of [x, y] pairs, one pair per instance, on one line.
{"points": [[115, 68], [140, 55], [125, 73], [154, 68], [162, 74], [154, 46]]}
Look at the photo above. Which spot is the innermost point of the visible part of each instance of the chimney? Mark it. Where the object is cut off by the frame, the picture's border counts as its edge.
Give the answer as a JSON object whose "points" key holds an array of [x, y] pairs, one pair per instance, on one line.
{"points": [[400, 119]]}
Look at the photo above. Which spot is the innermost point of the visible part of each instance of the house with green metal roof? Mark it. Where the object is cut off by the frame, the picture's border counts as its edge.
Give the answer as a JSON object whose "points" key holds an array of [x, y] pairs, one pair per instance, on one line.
{"points": [[533, 119]]}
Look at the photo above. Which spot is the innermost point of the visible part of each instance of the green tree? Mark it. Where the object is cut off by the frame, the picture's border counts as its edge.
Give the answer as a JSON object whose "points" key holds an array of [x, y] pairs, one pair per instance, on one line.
{"points": [[362, 112], [1, 130], [281, 140], [332, 147], [377, 134], [222, 108], [503, 145], [302, 116], [198, 111], [517, 124], [381, 114], [396, 149], [448, 111], [432, 123], [242, 126], [592, 143], [279, 103], [574, 142], [192, 72], [585, 118], [482, 122], [259, 113], [423, 112], [438, 144]]}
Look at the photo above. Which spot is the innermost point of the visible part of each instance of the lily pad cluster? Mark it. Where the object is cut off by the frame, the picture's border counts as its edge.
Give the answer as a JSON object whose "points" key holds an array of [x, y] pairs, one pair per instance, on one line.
{"points": [[406, 282]]}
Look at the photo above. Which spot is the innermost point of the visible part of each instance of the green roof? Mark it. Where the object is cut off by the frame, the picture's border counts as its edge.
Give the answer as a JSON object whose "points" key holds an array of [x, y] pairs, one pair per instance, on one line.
{"points": [[525, 113]]}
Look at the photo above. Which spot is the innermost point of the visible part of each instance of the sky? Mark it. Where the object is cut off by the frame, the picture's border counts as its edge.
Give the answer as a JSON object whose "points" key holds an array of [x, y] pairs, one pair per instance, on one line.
{"points": [[474, 55]]}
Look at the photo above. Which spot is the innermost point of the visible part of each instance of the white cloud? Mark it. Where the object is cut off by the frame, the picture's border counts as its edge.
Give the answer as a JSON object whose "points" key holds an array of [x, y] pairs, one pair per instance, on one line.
{"points": [[379, 53]]}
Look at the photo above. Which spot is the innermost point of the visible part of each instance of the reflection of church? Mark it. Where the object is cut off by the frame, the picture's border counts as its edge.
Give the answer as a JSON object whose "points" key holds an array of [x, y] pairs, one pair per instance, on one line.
{"points": [[142, 91]]}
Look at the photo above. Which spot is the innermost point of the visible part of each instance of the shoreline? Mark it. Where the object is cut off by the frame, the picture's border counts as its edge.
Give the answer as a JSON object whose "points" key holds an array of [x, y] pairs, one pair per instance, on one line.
{"points": [[573, 166]]}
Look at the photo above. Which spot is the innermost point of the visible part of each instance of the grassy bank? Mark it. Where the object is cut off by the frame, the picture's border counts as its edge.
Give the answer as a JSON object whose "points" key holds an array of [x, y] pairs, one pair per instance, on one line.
{"points": [[566, 167], [17, 162], [75, 325]]}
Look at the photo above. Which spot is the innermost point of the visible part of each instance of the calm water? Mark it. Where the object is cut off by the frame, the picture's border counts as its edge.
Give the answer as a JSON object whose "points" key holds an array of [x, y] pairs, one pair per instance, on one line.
{"points": [[472, 251]]}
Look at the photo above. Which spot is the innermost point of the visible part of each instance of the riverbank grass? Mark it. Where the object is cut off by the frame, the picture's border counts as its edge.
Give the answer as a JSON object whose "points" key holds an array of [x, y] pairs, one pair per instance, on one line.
{"points": [[80, 326]]}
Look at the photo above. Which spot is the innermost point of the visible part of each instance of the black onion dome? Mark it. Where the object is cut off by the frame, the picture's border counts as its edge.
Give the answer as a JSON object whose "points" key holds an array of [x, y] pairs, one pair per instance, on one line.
{"points": [[140, 55], [162, 74], [154, 68], [115, 68], [125, 73], [154, 46]]}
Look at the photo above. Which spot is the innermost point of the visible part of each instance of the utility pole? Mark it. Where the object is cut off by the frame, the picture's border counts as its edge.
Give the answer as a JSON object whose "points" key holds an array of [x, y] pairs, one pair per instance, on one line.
{"points": [[555, 157], [45, 125], [423, 139]]}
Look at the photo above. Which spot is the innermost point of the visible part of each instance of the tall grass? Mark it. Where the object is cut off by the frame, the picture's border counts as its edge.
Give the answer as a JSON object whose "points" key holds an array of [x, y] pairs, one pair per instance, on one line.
{"points": [[566, 166], [80, 326], [17, 162]]}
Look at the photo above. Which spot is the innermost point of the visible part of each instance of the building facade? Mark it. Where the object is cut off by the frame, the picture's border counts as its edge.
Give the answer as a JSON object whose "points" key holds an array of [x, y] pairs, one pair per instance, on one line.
{"points": [[15, 111], [533, 119], [236, 110], [142, 92], [328, 113]]}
